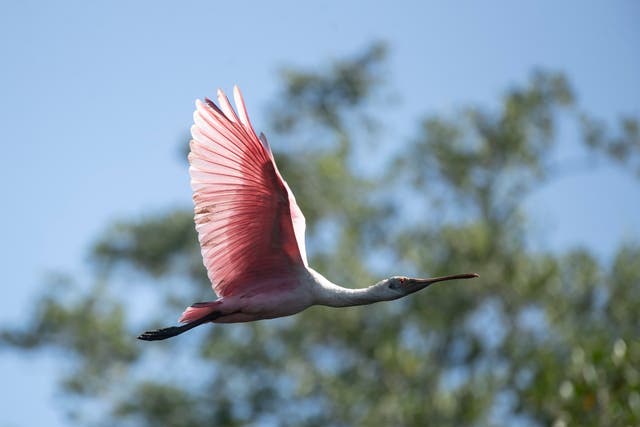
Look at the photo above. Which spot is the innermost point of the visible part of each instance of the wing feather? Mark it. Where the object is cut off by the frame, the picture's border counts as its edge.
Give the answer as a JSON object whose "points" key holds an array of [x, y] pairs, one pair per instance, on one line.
{"points": [[248, 222]]}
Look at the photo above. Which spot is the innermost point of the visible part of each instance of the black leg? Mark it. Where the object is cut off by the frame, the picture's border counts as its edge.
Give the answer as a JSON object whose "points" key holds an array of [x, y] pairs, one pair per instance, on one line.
{"points": [[172, 331]]}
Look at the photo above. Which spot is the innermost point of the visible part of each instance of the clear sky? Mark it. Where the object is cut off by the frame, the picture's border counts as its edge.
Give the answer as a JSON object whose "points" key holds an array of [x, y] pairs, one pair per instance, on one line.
{"points": [[96, 96]]}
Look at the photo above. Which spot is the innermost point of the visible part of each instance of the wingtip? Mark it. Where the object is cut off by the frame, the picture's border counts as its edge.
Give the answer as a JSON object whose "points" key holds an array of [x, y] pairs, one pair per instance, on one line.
{"points": [[204, 105], [221, 96]]}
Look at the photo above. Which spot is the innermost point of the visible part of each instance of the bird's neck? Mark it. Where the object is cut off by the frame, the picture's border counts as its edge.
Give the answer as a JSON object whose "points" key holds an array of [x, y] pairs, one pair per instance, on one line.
{"points": [[333, 295]]}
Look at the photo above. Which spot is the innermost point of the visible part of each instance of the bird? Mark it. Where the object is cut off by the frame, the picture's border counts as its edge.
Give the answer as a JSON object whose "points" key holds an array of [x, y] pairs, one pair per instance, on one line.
{"points": [[252, 232]]}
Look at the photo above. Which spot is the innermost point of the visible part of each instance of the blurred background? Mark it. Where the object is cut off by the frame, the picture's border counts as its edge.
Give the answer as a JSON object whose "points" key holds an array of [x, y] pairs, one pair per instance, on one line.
{"points": [[419, 138]]}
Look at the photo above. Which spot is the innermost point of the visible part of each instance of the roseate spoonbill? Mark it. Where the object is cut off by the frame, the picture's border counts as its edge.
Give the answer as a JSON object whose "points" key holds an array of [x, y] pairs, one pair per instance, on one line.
{"points": [[251, 231]]}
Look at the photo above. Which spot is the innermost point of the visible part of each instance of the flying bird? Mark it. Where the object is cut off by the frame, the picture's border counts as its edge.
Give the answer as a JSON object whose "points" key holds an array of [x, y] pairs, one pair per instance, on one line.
{"points": [[251, 231]]}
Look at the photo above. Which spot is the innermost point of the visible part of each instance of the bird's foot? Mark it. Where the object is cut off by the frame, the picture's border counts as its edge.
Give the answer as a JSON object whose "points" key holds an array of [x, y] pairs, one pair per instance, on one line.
{"points": [[161, 334]]}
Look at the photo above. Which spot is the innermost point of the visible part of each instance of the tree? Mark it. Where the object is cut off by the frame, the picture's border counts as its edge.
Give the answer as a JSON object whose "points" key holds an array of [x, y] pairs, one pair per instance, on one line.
{"points": [[542, 338]]}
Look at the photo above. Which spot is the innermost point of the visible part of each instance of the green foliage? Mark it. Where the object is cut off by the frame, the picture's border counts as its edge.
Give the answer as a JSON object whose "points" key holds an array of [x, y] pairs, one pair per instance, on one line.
{"points": [[623, 148], [153, 245], [326, 99], [544, 338], [89, 326]]}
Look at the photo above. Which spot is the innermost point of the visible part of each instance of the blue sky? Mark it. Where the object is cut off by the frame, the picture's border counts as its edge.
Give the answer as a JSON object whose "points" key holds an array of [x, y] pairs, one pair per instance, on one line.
{"points": [[96, 96]]}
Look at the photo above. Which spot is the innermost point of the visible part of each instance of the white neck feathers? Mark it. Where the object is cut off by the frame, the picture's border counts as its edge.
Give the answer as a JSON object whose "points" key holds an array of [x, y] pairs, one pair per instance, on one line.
{"points": [[329, 294]]}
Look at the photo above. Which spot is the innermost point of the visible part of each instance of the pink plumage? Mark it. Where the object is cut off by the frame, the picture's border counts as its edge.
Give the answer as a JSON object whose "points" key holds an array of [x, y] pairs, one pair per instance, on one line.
{"points": [[251, 230], [243, 208]]}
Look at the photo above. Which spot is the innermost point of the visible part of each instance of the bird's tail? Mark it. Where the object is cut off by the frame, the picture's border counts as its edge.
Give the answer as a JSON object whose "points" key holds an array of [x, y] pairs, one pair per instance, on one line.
{"points": [[198, 310]]}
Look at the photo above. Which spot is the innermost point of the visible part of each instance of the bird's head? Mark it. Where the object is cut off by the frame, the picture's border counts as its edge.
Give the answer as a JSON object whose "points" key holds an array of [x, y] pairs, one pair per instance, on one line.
{"points": [[399, 286]]}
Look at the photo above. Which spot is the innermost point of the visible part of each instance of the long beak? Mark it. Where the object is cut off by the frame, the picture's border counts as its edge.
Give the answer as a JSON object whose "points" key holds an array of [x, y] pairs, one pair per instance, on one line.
{"points": [[414, 285]]}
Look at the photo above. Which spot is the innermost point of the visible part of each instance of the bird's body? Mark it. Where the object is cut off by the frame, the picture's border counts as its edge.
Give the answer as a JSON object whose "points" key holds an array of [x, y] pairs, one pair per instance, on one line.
{"points": [[251, 230], [269, 298]]}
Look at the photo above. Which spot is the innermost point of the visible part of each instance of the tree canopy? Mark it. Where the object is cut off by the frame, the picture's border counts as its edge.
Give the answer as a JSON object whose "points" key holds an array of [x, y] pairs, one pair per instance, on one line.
{"points": [[543, 338]]}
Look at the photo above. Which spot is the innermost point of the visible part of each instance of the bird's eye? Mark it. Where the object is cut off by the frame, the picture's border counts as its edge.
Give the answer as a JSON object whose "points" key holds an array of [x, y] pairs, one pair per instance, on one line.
{"points": [[397, 283]]}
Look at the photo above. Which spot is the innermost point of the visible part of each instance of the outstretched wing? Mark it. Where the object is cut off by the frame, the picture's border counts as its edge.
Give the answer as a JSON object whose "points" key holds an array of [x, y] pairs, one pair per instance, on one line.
{"points": [[248, 222]]}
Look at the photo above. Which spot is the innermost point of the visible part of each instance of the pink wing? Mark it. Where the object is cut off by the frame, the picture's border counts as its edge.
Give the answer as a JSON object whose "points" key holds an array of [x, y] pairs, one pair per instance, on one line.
{"points": [[248, 222]]}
